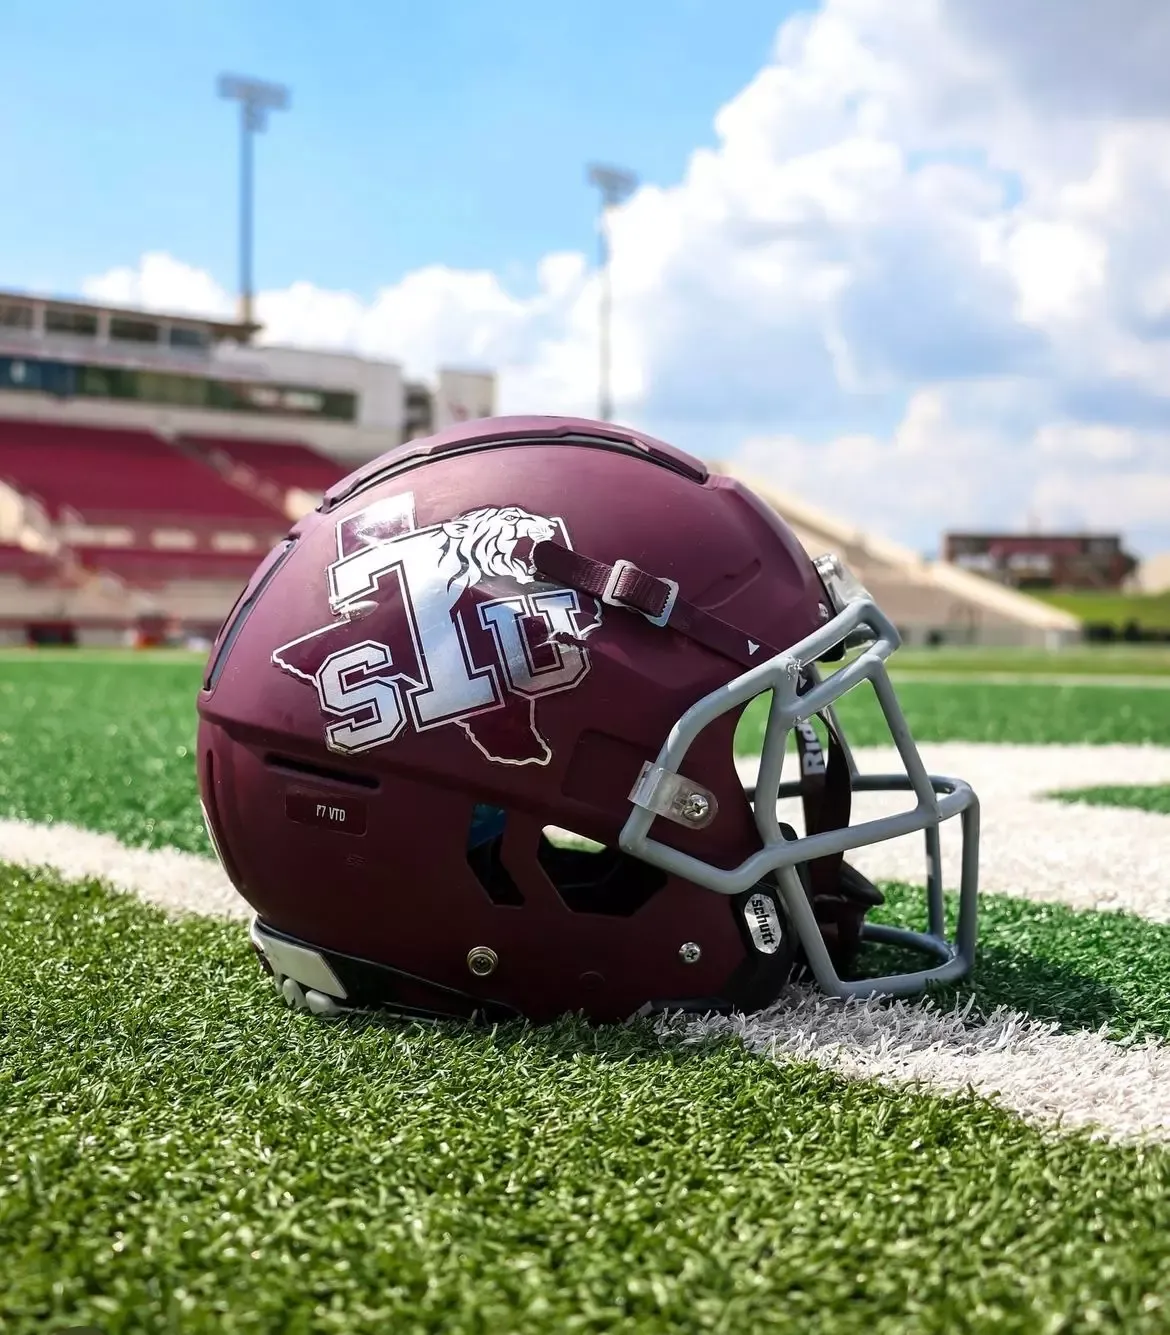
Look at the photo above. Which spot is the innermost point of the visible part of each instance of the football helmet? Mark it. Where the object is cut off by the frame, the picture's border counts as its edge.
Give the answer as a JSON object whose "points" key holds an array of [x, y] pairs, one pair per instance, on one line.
{"points": [[467, 741]]}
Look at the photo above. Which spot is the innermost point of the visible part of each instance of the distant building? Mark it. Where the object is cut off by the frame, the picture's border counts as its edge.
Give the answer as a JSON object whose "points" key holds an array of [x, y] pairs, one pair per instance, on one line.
{"points": [[99, 365], [1043, 560]]}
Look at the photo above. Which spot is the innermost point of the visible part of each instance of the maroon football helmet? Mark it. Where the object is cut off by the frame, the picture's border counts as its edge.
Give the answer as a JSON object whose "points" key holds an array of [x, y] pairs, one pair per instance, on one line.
{"points": [[466, 741]]}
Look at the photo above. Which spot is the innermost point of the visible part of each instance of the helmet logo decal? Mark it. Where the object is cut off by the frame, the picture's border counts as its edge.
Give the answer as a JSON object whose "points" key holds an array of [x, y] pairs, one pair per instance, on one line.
{"points": [[443, 655]]}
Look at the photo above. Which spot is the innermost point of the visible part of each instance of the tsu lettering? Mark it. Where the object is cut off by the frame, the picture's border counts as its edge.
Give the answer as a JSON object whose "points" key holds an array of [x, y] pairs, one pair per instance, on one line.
{"points": [[439, 653]]}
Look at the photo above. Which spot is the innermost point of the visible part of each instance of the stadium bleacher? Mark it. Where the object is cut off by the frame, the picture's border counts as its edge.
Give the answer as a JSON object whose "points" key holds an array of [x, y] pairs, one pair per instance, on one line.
{"points": [[140, 526], [287, 464], [19, 563], [111, 474], [150, 567]]}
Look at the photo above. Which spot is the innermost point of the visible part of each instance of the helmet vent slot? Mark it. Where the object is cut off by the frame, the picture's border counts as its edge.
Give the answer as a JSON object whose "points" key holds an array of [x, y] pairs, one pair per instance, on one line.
{"points": [[409, 459], [307, 769], [234, 622], [591, 878]]}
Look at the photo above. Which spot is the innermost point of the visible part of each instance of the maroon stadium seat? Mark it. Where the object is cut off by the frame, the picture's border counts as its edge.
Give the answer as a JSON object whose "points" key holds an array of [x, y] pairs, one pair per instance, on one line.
{"points": [[110, 475], [287, 464]]}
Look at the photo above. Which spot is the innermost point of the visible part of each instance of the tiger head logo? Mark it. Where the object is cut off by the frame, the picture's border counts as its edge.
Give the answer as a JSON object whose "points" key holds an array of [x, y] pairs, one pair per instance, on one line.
{"points": [[491, 541]]}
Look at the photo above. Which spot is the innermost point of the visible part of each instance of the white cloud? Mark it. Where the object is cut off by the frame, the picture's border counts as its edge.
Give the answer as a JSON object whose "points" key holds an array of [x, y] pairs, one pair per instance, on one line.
{"points": [[924, 276], [1058, 269], [1136, 499], [933, 464], [1074, 441], [163, 284]]}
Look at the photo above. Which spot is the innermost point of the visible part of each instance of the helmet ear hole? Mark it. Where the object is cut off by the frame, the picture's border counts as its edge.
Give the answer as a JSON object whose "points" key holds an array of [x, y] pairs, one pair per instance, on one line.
{"points": [[591, 878]]}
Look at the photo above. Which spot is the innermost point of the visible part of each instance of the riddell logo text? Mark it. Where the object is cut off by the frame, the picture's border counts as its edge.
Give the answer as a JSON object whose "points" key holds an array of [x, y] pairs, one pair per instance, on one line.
{"points": [[812, 754]]}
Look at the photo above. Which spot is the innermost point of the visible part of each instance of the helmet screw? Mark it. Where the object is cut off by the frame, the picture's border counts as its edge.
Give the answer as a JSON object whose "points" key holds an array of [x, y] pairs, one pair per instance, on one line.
{"points": [[482, 960], [689, 952], [695, 807]]}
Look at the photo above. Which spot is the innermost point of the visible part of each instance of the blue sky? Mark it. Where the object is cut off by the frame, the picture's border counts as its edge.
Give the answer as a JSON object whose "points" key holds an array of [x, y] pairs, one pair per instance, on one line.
{"points": [[449, 132]]}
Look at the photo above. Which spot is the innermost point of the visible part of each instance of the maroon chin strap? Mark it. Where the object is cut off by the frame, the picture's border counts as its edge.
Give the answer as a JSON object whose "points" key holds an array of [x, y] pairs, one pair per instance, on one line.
{"points": [[624, 585], [840, 895]]}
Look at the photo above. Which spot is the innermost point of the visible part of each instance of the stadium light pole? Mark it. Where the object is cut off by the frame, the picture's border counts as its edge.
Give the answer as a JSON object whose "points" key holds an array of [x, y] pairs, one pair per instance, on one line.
{"points": [[256, 100], [615, 185]]}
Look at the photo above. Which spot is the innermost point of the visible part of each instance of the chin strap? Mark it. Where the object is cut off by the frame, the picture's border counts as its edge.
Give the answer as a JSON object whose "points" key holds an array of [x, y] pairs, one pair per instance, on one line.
{"points": [[624, 585], [840, 895]]}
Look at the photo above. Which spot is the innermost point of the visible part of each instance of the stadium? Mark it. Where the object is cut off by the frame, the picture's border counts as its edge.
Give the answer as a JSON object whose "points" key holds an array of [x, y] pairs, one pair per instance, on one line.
{"points": [[397, 929], [148, 461]]}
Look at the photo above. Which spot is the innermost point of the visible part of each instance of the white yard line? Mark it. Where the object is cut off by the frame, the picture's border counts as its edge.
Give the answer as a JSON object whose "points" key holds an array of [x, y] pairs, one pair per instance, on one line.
{"points": [[166, 877], [1072, 1080]]}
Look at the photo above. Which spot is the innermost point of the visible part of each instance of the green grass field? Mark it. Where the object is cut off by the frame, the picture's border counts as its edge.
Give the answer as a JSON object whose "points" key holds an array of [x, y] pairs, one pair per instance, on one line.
{"points": [[182, 1153], [1150, 797], [1151, 611], [198, 1153]]}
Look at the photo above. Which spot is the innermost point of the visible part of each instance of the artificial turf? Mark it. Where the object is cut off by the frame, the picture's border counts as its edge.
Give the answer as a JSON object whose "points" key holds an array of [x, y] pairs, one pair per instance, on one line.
{"points": [[105, 745], [1081, 968], [182, 1153]]}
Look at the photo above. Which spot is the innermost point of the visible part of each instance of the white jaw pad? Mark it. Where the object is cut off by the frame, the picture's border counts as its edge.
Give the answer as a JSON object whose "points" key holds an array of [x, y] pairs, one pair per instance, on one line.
{"points": [[299, 963]]}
